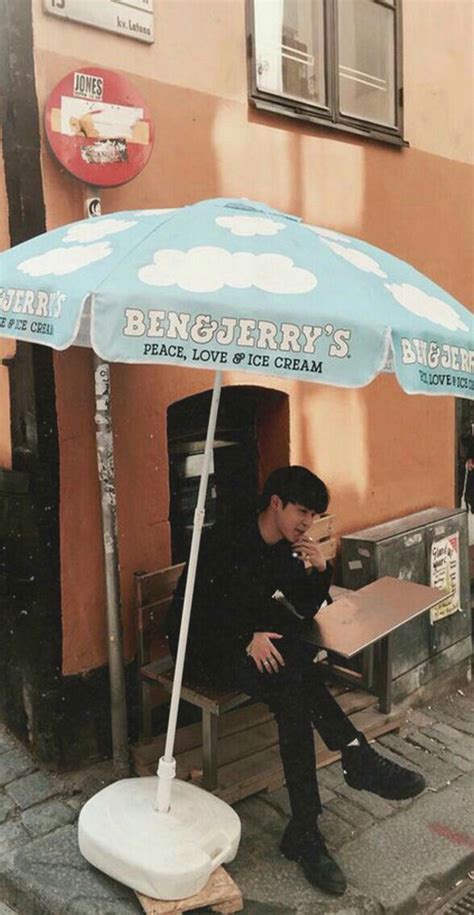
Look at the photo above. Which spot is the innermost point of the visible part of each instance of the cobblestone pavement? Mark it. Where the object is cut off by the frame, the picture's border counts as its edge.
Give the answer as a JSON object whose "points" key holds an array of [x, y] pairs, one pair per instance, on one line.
{"points": [[398, 856]]}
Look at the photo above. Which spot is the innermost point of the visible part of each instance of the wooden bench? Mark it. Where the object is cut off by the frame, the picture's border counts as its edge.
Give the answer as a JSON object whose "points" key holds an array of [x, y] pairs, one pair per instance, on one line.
{"points": [[154, 591]]}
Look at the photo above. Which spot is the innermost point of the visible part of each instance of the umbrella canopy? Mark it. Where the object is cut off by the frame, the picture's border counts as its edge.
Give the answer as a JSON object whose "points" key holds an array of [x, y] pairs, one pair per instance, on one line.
{"points": [[235, 283]]}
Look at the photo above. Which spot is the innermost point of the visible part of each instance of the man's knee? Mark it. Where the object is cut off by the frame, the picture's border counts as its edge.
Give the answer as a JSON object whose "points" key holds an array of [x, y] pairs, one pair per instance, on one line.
{"points": [[289, 699]]}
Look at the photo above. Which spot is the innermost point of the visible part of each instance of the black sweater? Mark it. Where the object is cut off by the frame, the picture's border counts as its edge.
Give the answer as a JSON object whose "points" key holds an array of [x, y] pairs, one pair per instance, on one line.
{"points": [[237, 577]]}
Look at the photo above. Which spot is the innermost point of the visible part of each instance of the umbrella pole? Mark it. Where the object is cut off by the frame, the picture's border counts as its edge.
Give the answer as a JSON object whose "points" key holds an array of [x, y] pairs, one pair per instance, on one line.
{"points": [[105, 466], [167, 764]]}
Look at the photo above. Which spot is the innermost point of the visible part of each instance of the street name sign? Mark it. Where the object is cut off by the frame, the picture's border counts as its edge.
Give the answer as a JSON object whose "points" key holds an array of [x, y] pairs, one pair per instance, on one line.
{"points": [[130, 18]]}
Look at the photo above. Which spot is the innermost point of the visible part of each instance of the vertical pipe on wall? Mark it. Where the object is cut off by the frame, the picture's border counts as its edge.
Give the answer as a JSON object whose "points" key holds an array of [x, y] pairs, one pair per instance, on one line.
{"points": [[106, 470]]}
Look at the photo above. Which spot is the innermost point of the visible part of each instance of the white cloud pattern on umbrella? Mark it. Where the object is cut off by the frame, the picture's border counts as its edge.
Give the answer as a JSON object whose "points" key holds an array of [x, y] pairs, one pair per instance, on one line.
{"points": [[357, 258], [59, 261], [207, 269], [94, 229], [426, 306], [250, 225]]}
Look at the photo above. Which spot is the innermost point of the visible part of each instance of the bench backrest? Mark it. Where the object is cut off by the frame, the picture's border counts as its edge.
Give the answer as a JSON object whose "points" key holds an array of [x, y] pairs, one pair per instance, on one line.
{"points": [[154, 591]]}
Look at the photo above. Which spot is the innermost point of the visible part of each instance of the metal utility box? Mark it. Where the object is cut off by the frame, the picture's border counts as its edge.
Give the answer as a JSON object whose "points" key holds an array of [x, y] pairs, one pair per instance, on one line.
{"points": [[429, 547]]}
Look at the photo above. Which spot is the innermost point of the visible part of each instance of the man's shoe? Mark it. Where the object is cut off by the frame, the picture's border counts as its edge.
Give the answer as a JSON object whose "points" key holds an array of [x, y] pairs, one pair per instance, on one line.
{"points": [[366, 769], [317, 864]]}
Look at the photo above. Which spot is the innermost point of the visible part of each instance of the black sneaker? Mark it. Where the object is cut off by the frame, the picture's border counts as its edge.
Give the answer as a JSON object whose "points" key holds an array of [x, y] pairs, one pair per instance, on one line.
{"points": [[366, 769], [317, 864]]}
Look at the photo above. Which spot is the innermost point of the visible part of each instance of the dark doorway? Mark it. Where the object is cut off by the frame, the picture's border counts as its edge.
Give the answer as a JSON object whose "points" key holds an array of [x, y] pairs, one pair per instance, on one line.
{"points": [[465, 440], [465, 473], [233, 478], [252, 437]]}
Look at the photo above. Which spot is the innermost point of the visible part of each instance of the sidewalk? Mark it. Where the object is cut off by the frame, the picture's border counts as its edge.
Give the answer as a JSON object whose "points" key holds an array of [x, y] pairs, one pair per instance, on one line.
{"points": [[398, 857]]}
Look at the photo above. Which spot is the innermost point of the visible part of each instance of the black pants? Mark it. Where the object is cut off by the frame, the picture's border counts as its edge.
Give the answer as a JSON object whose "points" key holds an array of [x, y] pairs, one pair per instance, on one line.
{"points": [[300, 700]]}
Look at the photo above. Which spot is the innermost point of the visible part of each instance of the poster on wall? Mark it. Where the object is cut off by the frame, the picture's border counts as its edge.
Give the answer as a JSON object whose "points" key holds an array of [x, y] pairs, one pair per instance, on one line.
{"points": [[99, 127], [445, 573], [130, 18]]}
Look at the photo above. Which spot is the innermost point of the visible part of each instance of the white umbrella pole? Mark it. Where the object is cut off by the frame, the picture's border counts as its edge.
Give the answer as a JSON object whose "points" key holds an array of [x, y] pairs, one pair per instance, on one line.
{"points": [[167, 764]]}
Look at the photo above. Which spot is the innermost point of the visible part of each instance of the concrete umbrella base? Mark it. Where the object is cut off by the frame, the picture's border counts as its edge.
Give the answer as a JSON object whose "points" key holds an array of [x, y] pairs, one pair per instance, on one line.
{"points": [[163, 855]]}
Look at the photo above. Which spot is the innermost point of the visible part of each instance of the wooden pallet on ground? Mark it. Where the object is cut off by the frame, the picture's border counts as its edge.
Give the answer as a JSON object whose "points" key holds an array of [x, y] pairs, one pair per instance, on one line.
{"points": [[249, 759], [220, 894]]}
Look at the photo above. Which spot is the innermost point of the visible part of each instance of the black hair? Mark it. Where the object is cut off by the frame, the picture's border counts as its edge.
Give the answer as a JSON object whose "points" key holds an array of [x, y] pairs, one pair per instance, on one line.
{"points": [[297, 485]]}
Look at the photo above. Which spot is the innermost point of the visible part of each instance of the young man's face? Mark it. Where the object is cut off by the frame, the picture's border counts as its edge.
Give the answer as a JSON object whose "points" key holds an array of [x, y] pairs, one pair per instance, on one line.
{"points": [[293, 519]]}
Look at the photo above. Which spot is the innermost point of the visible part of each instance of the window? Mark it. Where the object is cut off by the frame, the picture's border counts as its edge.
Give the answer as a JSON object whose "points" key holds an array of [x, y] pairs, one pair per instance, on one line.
{"points": [[334, 62]]}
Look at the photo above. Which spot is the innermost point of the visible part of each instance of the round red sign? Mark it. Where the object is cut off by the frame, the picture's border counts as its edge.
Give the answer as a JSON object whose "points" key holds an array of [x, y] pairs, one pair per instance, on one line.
{"points": [[99, 127]]}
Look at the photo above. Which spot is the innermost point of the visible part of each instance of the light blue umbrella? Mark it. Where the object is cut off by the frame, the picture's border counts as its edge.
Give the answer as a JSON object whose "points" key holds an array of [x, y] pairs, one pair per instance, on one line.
{"points": [[229, 284], [235, 283]]}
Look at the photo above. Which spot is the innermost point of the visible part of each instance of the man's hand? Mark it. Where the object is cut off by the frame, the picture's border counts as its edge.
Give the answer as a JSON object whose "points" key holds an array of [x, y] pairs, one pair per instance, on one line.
{"points": [[267, 658], [310, 552]]}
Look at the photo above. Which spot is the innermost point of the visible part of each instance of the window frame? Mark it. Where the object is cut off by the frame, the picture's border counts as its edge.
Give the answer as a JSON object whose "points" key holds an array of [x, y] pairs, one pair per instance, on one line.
{"points": [[329, 116]]}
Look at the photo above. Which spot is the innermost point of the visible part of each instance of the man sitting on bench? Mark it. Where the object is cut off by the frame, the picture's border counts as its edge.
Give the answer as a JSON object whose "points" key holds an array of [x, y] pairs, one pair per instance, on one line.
{"points": [[243, 636]]}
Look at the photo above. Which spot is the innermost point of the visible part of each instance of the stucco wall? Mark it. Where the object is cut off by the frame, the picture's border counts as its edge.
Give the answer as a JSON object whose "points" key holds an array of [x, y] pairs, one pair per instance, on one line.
{"points": [[438, 66], [382, 453]]}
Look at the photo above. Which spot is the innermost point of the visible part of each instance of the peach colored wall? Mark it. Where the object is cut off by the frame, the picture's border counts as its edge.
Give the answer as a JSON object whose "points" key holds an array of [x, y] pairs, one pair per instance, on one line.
{"points": [[437, 46], [382, 453], [7, 347], [5, 437]]}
